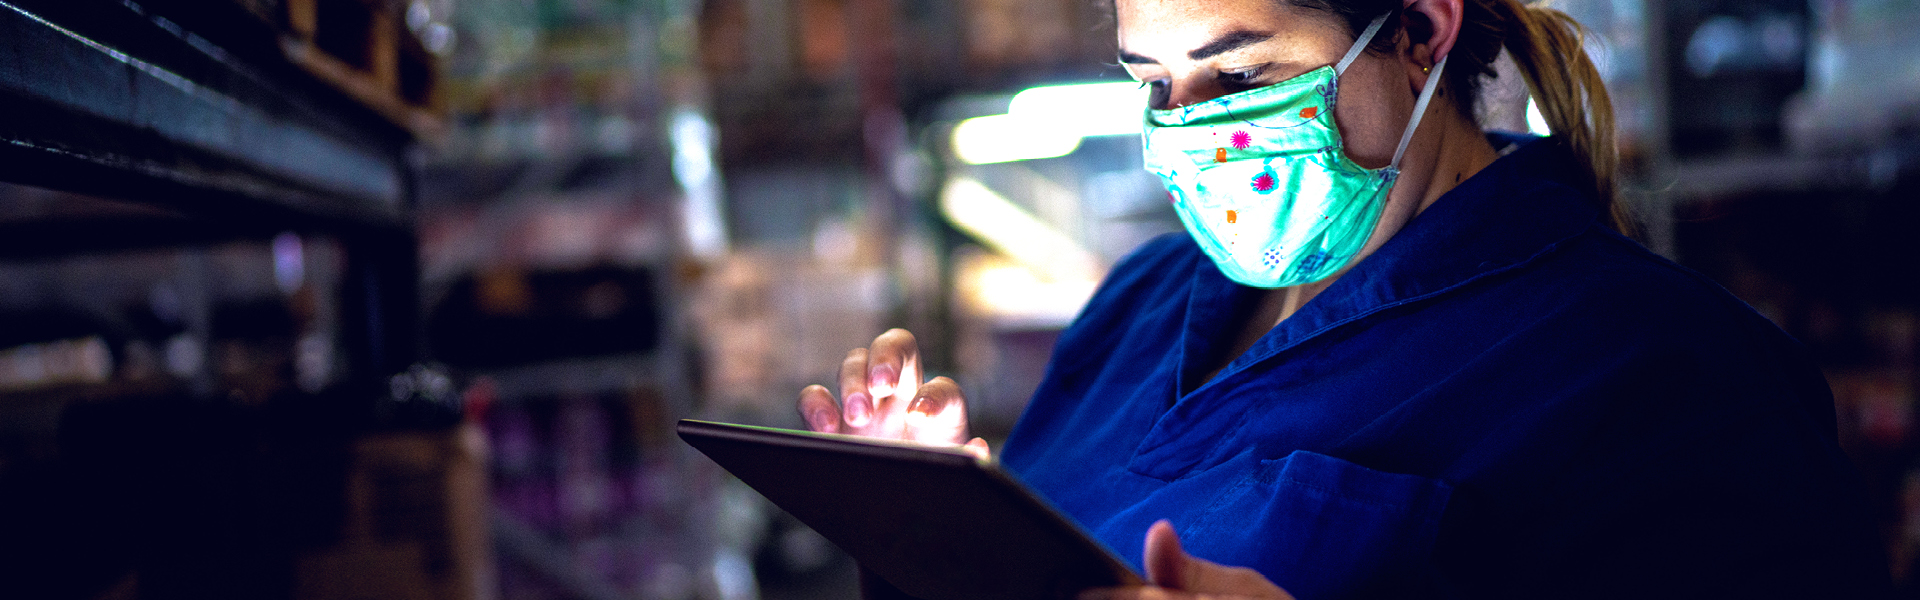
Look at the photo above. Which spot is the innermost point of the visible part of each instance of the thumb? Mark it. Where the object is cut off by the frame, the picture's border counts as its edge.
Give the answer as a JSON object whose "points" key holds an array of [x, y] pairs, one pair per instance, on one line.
{"points": [[1167, 562], [1169, 566]]}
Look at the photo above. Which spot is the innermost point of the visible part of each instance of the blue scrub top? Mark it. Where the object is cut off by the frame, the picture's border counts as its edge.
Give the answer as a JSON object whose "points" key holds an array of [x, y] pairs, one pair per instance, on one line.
{"points": [[1507, 400]]}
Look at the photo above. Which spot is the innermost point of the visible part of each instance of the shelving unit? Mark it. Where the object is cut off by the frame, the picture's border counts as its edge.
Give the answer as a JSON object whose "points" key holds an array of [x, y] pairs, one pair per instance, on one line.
{"points": [[103, 99], [176, 129]]}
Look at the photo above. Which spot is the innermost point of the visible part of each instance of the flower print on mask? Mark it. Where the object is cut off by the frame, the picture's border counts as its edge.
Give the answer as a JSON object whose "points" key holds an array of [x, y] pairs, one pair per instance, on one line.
{"points": [[1303, 209], [1266, 181]]}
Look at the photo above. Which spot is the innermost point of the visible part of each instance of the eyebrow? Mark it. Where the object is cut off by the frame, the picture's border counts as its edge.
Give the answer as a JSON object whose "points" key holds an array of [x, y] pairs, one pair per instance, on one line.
{"points": [[1233, 40]]}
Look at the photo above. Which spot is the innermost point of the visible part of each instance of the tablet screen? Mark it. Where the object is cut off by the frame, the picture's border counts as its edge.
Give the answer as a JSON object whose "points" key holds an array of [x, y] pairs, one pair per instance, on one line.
{"points": [[938, 524]]}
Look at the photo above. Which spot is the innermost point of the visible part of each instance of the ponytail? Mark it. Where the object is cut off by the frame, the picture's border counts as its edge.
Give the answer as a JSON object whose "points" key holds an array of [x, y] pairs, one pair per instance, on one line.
{"points": [[1549, 48]]}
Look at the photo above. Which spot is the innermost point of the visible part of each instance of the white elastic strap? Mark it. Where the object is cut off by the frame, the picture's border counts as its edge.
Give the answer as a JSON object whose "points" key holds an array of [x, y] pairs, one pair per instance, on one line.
{"points": [[1420, 109], [1360, 45]]}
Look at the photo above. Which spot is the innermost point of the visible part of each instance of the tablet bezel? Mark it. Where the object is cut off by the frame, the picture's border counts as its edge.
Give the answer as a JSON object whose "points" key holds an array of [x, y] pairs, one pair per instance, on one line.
{"points": [[700, 434]]}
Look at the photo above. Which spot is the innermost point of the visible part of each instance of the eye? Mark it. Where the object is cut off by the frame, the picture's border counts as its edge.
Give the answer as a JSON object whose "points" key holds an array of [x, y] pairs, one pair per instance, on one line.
{"points": [[1159, 93], [1241, 79]]}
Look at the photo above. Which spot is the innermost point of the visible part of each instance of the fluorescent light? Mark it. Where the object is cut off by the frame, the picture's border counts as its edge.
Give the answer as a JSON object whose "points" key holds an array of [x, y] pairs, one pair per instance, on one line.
{"points": [[694, 139], [1010, 230], [1049, 121], [1005, 138], [1086, 109]]}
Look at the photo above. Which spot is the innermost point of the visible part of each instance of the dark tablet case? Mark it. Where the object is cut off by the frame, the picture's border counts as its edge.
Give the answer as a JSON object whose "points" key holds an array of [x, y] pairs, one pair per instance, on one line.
{"points": [[938, 524]]}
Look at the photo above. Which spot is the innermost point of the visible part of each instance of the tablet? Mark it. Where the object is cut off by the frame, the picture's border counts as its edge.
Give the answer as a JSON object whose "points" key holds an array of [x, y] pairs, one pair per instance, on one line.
{"points": [[938, 524]]}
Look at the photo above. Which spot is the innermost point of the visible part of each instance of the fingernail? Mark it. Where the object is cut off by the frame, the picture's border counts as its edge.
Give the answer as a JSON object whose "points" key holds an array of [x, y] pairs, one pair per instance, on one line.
{"points": [[859, 409], [923, 405], [882, 379], [821, 420]]}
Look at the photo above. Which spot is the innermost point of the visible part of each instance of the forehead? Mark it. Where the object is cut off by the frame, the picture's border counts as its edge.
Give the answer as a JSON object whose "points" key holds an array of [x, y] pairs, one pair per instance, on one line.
{"points": [[1168, 29]]}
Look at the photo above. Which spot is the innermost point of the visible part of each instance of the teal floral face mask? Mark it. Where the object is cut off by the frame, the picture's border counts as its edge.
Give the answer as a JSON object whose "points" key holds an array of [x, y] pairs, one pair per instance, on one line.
{"points": [[1262, 180]]}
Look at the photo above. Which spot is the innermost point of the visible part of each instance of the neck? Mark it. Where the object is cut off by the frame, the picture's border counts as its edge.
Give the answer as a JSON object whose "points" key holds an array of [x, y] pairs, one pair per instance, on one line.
{"points": [[1459, 150], [1466, 152]]}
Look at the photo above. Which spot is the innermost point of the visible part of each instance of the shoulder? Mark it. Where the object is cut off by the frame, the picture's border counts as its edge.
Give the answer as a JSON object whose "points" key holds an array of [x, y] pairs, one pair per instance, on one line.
{"points": [[1611, 277], [1669, 326]]}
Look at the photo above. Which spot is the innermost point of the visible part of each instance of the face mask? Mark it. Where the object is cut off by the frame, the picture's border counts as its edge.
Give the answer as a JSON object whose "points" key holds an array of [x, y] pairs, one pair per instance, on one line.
{"points": [[1263, 182]]}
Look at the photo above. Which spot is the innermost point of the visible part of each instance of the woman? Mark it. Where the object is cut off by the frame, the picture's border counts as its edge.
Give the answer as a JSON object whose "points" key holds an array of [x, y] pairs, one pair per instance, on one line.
{"points": [[1397, 356]]}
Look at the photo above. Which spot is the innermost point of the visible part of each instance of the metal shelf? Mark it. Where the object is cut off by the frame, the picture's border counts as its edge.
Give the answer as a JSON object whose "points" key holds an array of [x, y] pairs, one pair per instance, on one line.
{"points": [[124, 105], [209, 138]]}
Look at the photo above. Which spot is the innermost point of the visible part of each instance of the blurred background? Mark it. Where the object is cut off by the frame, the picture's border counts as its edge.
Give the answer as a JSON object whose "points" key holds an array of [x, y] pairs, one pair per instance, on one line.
{"points": [[401, 299]]}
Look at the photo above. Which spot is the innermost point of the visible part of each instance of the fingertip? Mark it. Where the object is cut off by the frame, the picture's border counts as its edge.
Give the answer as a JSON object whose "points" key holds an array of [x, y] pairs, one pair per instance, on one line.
{"points": [[890, 358], [979, 448], [925, 405], [938, 396], [1163, 527], [817, 409], [812, 396], [882, 379], [823, 421], [859, 409], [1165, 560]]}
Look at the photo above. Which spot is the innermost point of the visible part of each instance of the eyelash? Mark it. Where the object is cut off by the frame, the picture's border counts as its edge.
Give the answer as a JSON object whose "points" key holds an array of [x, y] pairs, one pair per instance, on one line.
{"points": [[1240, 77], [1160, 93], [1243, 78], [1240, 80]]}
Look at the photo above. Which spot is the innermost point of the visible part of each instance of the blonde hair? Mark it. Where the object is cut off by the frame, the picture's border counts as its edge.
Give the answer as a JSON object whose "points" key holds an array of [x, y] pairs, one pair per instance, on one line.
{"points": [[1549, 47]]}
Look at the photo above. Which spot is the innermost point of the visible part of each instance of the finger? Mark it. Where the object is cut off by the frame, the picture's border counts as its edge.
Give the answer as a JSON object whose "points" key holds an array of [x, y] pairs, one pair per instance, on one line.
{"points": [[1169, 566], [938, 414], [893, 365], [1166, 562], [979, 448], [1135, 593], [853, 388], [817, 408]]}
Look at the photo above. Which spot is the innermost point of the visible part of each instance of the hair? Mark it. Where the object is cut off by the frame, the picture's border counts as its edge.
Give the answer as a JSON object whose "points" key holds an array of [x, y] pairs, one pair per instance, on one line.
{"points": [[1547, 46]]}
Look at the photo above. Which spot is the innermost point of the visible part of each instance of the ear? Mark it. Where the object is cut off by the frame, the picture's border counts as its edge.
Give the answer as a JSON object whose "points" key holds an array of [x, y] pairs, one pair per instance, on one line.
{"points": [[1432, 26]]}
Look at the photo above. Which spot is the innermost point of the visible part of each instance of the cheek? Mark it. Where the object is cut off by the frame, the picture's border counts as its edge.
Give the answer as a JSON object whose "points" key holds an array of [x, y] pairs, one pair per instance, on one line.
{"points": [[1372, 112]]}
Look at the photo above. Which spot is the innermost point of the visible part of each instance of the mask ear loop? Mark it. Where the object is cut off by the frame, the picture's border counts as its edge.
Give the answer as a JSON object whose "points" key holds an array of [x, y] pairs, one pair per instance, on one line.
{"points": [[1360, 45], [1419, 110]]}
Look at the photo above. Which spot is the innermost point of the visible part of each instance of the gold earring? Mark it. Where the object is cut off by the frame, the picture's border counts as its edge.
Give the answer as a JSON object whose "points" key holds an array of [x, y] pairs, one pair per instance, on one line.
{"points": [[1426, 69]]}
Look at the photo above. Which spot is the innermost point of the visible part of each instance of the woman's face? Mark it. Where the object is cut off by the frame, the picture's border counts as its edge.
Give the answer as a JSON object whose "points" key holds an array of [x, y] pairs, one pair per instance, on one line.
{"points": [[1191, 51]]}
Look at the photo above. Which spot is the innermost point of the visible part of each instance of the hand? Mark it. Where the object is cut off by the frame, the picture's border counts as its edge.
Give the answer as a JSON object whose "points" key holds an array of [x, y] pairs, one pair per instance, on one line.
{"points": [[1179, 576], [881, 396]]}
